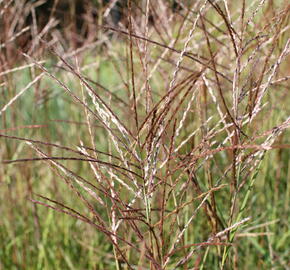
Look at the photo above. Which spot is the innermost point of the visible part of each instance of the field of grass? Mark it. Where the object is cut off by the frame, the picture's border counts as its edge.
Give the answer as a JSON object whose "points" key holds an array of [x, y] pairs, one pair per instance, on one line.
{"points": [[159, 142]]}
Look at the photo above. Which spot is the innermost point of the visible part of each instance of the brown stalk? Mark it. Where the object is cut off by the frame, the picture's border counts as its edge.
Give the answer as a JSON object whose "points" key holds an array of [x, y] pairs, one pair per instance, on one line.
{"points": [[217, 78], [230, 28], [132, 65]]}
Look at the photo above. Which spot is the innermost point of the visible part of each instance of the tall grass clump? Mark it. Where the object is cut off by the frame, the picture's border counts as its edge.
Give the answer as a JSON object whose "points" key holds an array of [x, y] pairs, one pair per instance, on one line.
{"points": [[155, 130]]}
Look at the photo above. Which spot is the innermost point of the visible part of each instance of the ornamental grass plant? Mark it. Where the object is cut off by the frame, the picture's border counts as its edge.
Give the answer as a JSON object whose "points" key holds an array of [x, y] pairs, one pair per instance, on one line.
{"points": [[144, 135]]}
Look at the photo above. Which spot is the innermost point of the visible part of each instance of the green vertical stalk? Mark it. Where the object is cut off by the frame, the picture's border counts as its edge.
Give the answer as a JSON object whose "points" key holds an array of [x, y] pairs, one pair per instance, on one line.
{"points": [[244, 204]]}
